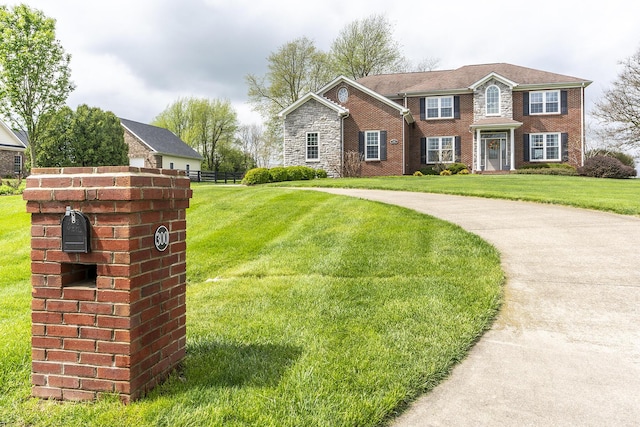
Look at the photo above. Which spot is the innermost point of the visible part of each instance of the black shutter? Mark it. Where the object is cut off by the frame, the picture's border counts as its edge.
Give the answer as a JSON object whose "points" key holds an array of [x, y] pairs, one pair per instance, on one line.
{"points": [[361, 143], [456, 107], [565, 147], [423, 151], [525, 103], [527, 154], [383, 145], [564, 104], [458, 149], [423, 109]]}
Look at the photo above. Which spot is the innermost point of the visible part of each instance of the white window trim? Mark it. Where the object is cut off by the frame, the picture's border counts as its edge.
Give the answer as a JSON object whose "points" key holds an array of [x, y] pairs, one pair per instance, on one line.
{"points": [[306, 147], [544, 102], [440, 138], [440, 116], [366, 145], [544, 147], [486, 101], [17, 163]]}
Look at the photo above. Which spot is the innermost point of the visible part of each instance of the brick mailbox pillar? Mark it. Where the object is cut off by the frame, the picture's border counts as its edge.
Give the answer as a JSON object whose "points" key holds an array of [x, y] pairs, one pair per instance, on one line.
{"points": [[109, 316]]}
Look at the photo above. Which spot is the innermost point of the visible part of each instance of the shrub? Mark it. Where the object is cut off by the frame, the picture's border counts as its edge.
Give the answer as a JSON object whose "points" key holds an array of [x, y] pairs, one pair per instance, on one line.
{"points": [[278, 174], [623, 157], [606, 167], [455, 168], [298, 173], [256, 176], [321, 173], [548, 169], [429, 170], [418, 173], [446, 172], [464, 172]]}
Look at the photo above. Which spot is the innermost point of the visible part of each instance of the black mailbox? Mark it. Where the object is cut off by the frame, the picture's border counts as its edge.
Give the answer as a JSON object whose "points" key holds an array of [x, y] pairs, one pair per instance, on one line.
{"points": [[75, 232]]}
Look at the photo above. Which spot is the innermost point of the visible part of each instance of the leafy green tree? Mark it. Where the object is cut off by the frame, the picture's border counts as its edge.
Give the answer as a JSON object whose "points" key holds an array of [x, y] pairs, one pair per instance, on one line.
{"points": [[34, 71], [88, 137], [619, 109], [367, 47], [204, 124], [295, 69]]}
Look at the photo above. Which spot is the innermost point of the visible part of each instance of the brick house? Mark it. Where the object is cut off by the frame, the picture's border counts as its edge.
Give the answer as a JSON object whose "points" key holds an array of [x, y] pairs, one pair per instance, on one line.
{"points": [[155, 147], [492, 117], [12, 152]]}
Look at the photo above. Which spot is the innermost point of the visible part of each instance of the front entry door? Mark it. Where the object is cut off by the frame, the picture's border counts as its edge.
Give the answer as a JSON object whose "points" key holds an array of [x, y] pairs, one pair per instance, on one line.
{"points": [[495, 151]]}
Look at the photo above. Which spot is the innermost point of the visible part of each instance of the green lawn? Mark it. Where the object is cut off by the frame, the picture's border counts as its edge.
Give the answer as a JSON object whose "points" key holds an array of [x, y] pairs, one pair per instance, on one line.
{"points": [[304, 309], [614, 195]]}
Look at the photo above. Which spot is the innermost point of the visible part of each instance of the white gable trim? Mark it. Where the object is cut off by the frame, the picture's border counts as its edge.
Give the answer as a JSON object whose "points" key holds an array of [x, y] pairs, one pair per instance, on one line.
{"points": [[322, 100], [496, 76], [17, 142]]}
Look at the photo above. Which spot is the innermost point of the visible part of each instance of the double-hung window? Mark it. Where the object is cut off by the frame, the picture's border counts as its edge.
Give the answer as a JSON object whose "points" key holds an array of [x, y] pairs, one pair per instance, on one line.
{"points": [[372, 145], [312, 146], [440, 149], [545, 102], [439, 107], [544, 146], [17, 164]]}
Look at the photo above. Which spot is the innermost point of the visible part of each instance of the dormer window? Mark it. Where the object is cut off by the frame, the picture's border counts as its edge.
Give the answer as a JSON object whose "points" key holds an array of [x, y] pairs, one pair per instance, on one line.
{"points": [[492, 98]]}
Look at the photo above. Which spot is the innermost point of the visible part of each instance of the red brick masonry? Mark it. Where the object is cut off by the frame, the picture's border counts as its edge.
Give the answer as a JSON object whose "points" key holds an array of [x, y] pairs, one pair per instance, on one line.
{"points": [[113, 319]]}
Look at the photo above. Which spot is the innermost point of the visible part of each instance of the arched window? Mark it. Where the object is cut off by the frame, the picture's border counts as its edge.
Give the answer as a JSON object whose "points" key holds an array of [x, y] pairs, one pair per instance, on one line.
{"points": [[493, 100]]}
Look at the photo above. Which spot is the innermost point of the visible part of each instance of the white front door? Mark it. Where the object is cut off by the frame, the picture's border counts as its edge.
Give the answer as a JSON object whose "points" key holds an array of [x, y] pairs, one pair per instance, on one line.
{"points": [[495, 151]]}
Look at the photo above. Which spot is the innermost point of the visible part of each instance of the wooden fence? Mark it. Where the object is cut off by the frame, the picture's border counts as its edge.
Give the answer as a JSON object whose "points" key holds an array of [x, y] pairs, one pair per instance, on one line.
{"points": [[215, 177]]}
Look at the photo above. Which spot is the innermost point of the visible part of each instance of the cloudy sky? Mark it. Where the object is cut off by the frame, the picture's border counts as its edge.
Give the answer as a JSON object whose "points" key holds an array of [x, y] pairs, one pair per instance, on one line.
{"points": [[135, 57]]}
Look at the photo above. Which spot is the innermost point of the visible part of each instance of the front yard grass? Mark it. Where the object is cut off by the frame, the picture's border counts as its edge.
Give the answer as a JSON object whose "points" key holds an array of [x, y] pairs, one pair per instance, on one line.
{"points": [[303, 309], [614, 195]]}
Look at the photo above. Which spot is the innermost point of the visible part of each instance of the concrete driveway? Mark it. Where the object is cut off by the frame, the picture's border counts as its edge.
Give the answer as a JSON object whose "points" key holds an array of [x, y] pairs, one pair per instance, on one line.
{"points": [[565, 348]]}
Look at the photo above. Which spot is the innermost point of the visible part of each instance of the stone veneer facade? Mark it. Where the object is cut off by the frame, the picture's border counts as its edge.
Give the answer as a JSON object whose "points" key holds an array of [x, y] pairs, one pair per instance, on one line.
{"points": [[112, 320], [314, 117]]}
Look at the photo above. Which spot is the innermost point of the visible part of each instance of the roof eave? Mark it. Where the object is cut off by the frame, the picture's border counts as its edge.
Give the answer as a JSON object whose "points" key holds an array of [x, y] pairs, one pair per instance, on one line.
{"points": [[546, 86]]}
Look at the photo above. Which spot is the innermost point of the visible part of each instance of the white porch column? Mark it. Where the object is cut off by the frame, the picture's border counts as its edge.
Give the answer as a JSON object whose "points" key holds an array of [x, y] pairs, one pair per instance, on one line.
{"points": [[478, 151], [513, 151]]}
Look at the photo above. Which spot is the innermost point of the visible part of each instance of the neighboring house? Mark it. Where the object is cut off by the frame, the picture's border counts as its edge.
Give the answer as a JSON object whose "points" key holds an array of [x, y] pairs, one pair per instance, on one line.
{"points": [[12, 152], [492, 117], [155, 147]]}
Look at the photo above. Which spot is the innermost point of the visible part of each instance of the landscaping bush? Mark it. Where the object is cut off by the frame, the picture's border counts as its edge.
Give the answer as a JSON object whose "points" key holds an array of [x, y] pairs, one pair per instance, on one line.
{"points": [[548, 169], [278, 174], [429, 170], [464, 172], [446, 172], [455, 168], [418, 173], [321, 173], [256, 176], [606, 167], [623, 157]]}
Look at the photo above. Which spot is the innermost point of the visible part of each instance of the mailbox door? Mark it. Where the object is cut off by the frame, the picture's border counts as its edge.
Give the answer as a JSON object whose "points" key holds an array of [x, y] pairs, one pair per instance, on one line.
{"points": [[75, 232]]}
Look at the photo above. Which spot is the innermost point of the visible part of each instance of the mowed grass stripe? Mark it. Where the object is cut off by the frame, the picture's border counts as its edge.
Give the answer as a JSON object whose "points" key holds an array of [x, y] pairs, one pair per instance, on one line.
{"points": [[325, 310]]}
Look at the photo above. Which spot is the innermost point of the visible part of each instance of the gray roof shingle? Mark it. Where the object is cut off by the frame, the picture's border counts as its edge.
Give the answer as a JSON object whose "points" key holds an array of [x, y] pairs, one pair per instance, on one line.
{"points": [[161, 140]]}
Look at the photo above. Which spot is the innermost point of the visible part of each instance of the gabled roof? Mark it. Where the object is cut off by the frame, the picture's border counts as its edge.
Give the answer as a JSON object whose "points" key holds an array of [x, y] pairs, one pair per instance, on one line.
{"points": [[159, 140], [495, 76], [462, 79], [10, 139], [321, 99], [405, 112]]}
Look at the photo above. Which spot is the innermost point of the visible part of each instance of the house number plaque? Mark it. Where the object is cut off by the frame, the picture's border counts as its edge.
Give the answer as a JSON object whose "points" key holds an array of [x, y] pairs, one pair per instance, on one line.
{"points": [[161, 238]]}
